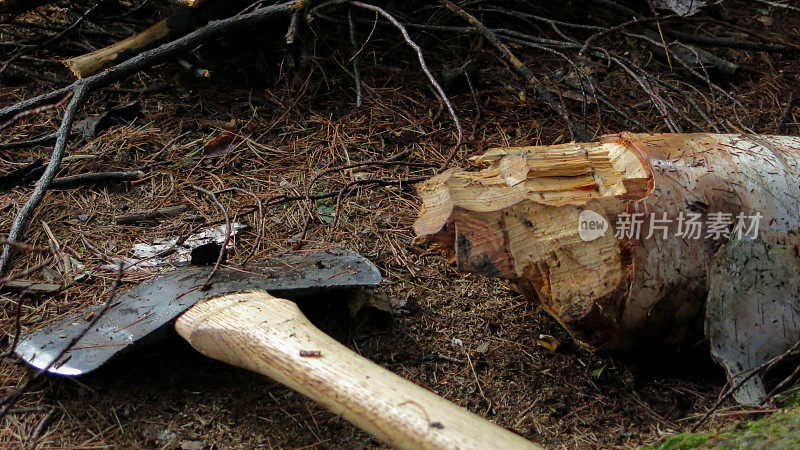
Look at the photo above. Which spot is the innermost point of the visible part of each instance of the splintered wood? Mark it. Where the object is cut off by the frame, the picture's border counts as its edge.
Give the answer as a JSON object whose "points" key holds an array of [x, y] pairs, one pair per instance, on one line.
{"points": [[638, 240]]}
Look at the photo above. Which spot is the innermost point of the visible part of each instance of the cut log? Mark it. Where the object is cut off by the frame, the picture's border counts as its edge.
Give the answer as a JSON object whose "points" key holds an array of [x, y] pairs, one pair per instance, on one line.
{"points": [[597, 234]]}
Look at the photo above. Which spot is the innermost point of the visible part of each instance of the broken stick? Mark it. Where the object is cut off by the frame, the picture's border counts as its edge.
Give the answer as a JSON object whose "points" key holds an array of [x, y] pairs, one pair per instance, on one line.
{"points": [[181, 22], [96, 177], [150, 216], [91, 63]]}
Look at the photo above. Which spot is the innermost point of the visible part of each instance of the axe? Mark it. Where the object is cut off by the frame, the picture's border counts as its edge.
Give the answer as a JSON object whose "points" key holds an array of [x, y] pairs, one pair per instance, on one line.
{"points": [[237, 321]]}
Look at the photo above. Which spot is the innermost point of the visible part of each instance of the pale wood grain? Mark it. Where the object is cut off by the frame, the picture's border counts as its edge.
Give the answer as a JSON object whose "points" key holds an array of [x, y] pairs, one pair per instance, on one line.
{"points": [[91, 63], [258, 332]]}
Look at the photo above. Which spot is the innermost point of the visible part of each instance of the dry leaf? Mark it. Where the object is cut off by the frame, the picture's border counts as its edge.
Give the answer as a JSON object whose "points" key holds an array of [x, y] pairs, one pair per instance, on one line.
{"points": [[548, 342]]}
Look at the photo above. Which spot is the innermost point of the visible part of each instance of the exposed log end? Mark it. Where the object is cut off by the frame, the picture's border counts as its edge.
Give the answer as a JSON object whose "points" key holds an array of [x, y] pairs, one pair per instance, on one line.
{"points": [[518, 218], [547, 218]]}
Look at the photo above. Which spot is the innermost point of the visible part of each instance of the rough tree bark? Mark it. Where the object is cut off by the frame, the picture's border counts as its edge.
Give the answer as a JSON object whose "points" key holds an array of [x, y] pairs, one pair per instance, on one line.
{"points": [[520, 218]]}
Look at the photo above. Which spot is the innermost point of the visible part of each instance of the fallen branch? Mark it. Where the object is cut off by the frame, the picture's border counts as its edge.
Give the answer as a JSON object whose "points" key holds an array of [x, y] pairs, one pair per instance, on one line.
{"points": [[158, 55], [91, 63], [431, 79], [96, 178], [7, 401], [46, 139], [649, 82], [30, 287], [694, 57], [699, 39], [43, 184], [182, 21], [577, 131], [728, 43], [150, 216], [82, 87]]}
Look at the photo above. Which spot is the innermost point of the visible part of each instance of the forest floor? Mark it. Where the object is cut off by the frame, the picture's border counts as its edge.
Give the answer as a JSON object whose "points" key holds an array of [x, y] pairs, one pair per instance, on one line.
{"points": [[267, 121]]}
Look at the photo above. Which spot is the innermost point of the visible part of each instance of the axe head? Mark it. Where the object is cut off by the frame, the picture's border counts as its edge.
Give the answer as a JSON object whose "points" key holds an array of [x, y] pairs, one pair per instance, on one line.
{"points": [[140, 313]]}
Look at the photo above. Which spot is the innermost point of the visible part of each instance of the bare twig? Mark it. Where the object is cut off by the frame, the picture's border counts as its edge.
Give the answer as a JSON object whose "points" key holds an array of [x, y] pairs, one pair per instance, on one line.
{"points": [[82, 87], [146, 216], [260, 221], [39, 108], [18, 226], [780, 386], [765, 367], [291, 32], [779, 5], [43, 424], [354, 43], [577, 131], [427, 72], [97, 177], [7, 401], [228, 232]]}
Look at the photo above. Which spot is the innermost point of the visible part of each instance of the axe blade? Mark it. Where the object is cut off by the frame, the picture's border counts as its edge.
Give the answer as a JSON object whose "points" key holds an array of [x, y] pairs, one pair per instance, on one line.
{"points": [[140, 313]]}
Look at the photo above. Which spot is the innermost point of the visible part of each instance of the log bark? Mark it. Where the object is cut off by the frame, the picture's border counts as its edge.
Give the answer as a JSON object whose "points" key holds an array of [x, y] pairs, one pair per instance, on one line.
{"points": [[520, 218]]}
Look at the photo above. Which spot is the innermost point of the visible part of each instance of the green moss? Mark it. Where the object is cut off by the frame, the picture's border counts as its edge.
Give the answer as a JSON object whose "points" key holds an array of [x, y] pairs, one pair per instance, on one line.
{"points": [[789, 398], [780, 430], [683, 441]]}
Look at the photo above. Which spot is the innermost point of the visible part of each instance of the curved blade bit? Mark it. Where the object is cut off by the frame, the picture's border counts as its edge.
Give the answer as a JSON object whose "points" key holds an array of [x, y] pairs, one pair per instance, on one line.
{"points": [[151, 306]]}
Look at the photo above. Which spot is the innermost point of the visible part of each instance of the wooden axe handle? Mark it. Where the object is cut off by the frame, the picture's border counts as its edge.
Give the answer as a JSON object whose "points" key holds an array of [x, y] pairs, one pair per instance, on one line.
{"points": [[268, 335]]}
